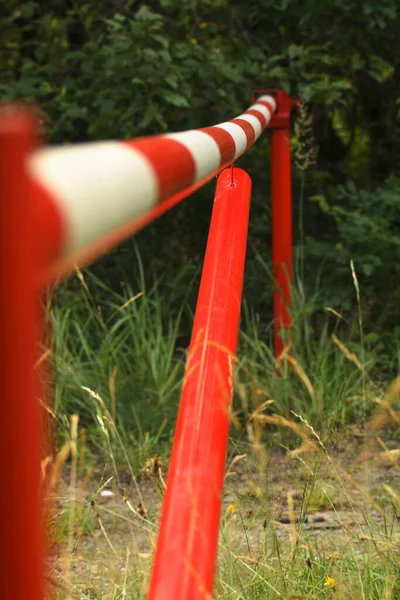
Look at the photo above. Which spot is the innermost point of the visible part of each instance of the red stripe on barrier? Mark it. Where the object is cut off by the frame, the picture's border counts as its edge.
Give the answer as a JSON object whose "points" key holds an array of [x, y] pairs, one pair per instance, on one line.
{"points": [[185, 555], [179, 170], [248, 129], [258, 115], [225, 142]]}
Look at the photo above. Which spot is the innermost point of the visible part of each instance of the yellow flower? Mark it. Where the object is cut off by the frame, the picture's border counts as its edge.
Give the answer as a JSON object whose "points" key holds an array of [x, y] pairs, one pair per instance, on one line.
{"points": [[230, 510], [329, 582], [203, 25]]}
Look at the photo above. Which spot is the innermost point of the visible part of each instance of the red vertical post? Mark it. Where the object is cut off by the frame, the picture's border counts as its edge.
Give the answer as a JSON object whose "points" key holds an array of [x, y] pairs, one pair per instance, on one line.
{"points": [[281, 196], [20, 522], [187, 543]]}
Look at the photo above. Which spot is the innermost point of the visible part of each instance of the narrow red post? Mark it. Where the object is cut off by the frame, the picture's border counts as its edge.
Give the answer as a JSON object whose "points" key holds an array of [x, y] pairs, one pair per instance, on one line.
{"points": [[20, 522], [186, 550], [281, 196]]}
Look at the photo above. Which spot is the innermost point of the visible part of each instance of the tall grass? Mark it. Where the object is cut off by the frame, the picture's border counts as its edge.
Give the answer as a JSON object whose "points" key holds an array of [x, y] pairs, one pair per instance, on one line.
{"points": [[126, 346], [118, 367]]}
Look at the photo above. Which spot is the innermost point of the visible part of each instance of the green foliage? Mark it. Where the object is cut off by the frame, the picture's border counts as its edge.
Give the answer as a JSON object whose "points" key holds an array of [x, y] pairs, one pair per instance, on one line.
{"points": [[366, 231]]}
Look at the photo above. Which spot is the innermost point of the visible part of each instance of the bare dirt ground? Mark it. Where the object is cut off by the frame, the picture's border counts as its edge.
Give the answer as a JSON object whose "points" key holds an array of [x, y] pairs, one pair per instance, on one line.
{"points": [[323, 500]]}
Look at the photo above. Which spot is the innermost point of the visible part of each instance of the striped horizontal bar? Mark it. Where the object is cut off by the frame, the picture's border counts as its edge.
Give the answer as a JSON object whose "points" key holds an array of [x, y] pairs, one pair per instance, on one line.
{"points": [[99, 187]]}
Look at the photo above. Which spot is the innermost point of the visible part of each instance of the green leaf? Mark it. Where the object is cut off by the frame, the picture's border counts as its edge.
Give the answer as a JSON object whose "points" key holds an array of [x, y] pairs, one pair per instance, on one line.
{"points": [[145, 14], [256, 54], [176, 100]]}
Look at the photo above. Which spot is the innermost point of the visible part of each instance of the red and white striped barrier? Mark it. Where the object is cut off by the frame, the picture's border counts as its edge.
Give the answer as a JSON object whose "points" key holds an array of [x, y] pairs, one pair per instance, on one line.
{"points": [[97, 188]]}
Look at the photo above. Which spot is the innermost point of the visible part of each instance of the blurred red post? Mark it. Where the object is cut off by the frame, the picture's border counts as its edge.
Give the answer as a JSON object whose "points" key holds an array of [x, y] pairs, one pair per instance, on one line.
{"points": [[185, 556], [281, 196], [21, 565]]}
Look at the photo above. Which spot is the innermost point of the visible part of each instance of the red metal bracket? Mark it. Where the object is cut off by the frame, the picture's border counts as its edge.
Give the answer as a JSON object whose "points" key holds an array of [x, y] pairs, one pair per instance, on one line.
{"points": [[285, 105]]}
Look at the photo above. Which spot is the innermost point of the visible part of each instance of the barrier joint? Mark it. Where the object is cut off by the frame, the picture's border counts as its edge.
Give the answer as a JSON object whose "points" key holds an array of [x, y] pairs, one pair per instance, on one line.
{"points": [[285, 104]]}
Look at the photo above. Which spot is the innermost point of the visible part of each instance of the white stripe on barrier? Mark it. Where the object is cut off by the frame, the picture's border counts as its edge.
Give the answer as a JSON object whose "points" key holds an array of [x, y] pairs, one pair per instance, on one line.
{"points": [[238, 135], [205, 151], [262, 109], [270, 100], [98, 187]]}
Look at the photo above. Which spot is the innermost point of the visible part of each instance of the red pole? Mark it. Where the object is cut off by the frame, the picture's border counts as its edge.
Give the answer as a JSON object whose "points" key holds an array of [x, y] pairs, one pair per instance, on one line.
{"points": [[281, 192], [20, 522], [186, 550], [281, 195]]}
